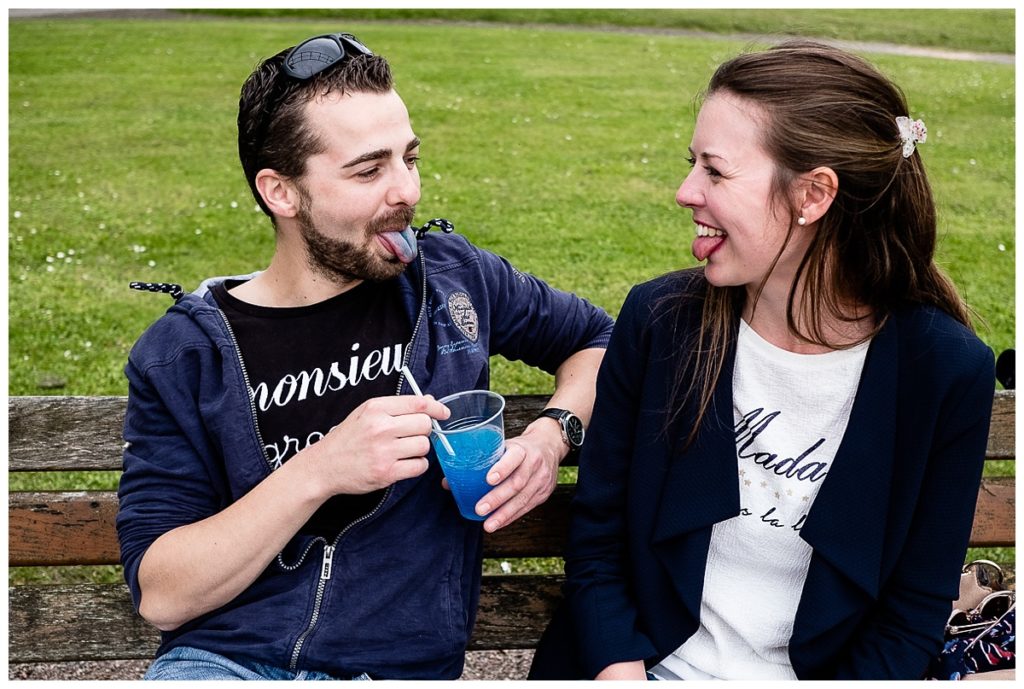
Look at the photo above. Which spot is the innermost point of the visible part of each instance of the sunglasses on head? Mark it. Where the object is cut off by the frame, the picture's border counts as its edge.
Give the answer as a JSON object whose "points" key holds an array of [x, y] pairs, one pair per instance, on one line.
{"points": [[303, 62], [316, 54]]}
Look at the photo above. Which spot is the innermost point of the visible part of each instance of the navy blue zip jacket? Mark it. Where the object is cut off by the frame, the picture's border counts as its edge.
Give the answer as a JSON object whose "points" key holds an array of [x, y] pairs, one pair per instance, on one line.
{"points": [[394, 594]]}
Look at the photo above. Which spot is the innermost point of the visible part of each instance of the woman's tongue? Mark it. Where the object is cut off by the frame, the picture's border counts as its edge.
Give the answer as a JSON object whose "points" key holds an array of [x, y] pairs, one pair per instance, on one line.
{"points": [[705, 246]]}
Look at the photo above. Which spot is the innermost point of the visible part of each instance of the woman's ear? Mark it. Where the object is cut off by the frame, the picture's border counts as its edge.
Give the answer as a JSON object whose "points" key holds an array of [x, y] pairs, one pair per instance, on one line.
{"points": [[278, 193], [819, 188]]}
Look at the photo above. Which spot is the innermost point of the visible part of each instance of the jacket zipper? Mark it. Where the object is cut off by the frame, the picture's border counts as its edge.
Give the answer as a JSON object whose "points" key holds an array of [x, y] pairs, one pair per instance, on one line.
{"points": [[328, 560], [326, 569], [327, 564], [248, 386], [419, 321], [325, 573]]}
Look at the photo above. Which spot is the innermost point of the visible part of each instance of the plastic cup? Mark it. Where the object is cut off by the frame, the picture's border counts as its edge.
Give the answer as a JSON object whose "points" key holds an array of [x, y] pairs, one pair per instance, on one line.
{"points": [[476, 432]]}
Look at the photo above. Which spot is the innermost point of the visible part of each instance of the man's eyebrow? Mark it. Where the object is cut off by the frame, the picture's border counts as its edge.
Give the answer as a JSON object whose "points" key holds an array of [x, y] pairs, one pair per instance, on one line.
{"points": [[379, 154]]}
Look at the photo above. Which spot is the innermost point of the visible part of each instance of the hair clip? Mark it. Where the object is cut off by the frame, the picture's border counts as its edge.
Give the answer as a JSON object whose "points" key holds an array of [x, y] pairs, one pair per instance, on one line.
{"points": [[912, 132]]}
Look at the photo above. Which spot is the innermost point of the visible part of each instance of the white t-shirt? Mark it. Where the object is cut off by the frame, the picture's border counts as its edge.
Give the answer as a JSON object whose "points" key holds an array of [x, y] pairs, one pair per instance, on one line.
{"points": [[791, 411]]}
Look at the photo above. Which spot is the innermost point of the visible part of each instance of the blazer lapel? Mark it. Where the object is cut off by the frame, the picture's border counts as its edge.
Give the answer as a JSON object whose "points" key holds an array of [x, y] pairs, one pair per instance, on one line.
{"points": [[846, 525], [701, 485], [701, 488]]}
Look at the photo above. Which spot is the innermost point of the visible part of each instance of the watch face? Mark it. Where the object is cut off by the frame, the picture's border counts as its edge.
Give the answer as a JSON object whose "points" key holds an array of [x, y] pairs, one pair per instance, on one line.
{"points": [[574, 430]]}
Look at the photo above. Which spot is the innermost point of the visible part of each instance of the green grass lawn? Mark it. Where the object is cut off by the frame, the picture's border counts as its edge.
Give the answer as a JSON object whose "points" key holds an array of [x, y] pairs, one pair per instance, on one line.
{"points": [[561, 150], [123, 167]]}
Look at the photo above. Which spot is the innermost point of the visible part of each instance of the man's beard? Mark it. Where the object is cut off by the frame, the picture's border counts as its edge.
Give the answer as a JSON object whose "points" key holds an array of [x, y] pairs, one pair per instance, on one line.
{"points": [[342, 261]]}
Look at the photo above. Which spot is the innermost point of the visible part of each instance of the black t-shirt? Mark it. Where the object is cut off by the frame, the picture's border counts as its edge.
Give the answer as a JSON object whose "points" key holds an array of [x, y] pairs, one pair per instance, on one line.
{"points": [[310, 366]]}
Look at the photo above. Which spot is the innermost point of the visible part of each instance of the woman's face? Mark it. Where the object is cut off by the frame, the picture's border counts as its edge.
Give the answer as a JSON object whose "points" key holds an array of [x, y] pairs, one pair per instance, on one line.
{"points": [[729, 190]]}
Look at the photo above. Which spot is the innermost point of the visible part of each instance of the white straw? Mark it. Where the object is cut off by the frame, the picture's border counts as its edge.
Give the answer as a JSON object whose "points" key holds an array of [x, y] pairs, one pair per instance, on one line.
{"points": [[433, 421]]}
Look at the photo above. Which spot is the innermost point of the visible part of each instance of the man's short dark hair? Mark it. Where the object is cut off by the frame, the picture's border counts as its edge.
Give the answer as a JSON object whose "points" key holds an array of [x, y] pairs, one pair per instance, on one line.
{"points": [[285, 141]]}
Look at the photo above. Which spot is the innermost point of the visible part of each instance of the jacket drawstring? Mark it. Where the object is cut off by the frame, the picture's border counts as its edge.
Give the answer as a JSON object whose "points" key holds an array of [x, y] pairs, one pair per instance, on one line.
{"points": [[166, 287]]}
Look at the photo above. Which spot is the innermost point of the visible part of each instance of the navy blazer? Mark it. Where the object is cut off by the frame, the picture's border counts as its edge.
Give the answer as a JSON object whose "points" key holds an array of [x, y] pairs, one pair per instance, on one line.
{"points": [[889, 527]]}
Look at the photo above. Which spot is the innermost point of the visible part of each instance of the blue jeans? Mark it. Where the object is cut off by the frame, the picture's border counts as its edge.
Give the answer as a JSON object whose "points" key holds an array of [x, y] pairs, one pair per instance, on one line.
{"points": [[185, 662]]}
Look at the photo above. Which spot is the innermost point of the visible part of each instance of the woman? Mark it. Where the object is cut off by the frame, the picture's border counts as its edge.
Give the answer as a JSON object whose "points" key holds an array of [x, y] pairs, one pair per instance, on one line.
{"points": [[781, 471]]}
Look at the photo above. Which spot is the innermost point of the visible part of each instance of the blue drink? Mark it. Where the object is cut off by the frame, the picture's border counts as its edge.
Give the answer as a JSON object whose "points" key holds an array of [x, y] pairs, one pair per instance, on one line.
{"points": [[475, 453], [476, 433]]}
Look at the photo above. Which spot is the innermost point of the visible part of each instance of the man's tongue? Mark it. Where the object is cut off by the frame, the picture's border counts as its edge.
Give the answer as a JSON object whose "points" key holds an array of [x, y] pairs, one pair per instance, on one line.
{"points": [[705, 246], [402, 244]]}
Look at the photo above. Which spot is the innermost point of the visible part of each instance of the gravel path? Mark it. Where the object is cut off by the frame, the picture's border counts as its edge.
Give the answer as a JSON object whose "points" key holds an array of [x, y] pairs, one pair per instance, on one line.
{"points": [[480, 665]]}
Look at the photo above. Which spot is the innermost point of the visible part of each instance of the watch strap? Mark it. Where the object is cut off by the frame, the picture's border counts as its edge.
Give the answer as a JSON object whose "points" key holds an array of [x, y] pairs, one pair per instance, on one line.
{"points": [[553, 413], [562, 417]]}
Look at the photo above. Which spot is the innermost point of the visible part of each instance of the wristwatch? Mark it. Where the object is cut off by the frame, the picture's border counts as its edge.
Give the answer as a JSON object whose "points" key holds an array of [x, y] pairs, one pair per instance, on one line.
{"points": [[572, 427]]}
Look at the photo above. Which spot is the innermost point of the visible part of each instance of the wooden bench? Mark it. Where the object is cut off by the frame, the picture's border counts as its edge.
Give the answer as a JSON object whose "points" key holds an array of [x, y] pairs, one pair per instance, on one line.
{"points": [[97, 622]]}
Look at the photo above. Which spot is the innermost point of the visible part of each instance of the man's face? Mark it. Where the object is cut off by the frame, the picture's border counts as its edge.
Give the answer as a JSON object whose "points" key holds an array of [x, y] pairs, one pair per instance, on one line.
{"points": [[365, 183]]}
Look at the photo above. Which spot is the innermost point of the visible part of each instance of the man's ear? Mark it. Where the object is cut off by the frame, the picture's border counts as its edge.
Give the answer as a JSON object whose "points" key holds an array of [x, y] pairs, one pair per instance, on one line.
{"points": [[819, 189], [280, 195]]}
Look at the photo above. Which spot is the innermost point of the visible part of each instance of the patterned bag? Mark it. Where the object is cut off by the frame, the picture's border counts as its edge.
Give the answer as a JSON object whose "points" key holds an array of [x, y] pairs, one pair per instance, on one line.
{"points": [[981, 631]]}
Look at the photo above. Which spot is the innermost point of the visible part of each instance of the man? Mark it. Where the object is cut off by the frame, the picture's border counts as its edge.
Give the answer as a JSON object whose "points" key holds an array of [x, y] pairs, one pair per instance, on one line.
{"points": [[281, 512]]}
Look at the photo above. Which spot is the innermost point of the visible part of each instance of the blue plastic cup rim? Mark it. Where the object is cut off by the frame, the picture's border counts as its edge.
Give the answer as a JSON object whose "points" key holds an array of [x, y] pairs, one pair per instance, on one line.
{"points": [[489, 420]]}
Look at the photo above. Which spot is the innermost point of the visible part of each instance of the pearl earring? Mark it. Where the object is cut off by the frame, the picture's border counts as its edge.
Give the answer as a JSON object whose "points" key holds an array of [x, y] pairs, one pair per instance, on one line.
{"points": [[801, 220]]}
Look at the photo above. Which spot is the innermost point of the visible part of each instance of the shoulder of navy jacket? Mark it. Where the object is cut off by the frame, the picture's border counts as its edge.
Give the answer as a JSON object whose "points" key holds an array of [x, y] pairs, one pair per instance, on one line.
{"points": [[443, 252], [676, 293]]}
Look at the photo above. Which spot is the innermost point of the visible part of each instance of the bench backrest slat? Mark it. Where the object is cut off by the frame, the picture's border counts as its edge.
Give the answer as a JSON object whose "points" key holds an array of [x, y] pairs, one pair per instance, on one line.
{"points": [[1002, 432], [77, 528], [84, 433]]}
